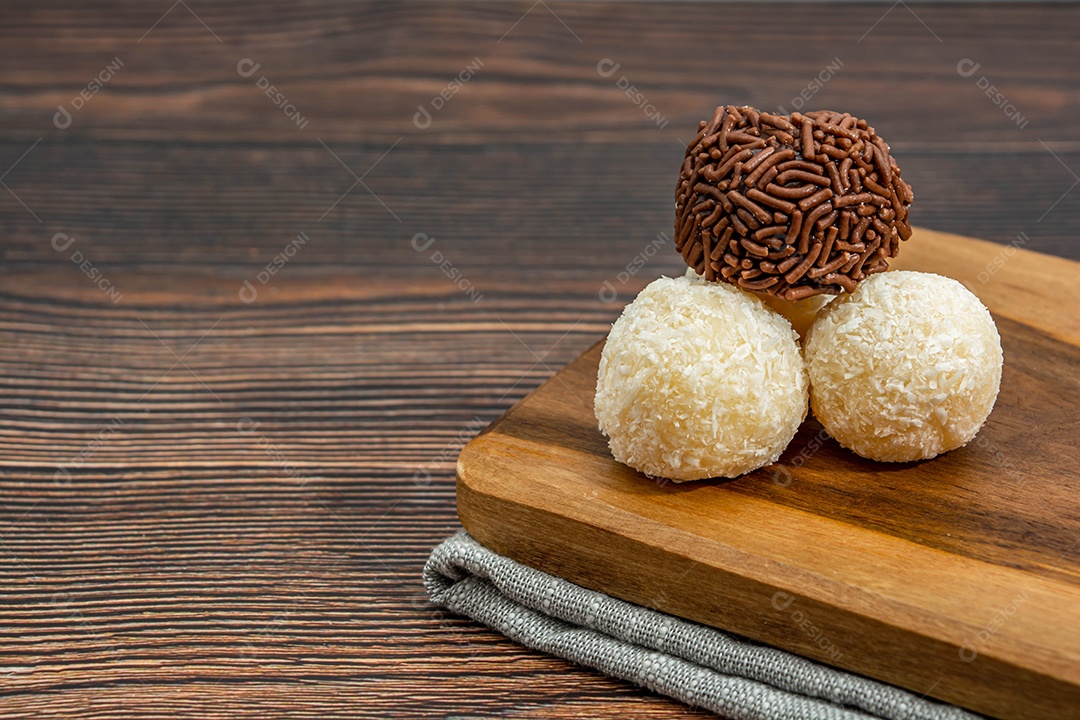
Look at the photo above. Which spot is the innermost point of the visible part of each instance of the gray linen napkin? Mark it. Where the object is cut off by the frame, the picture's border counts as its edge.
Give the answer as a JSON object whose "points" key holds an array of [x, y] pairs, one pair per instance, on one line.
{"points": [[693, 663]]}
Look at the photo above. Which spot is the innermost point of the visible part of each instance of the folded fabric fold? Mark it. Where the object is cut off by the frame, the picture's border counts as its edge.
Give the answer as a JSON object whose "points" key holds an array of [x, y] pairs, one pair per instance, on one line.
{"points": [[699, 665]]}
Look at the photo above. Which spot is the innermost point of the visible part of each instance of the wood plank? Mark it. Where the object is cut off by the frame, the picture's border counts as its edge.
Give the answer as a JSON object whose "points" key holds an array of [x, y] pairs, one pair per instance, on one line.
{"points": [[178, 541], [187, 569], [364, 68], [952, 577], [239, 207]]}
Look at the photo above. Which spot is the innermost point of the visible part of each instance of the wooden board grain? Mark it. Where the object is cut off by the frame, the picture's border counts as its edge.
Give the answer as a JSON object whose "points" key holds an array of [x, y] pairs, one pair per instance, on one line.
{"points": [[956, 577]]}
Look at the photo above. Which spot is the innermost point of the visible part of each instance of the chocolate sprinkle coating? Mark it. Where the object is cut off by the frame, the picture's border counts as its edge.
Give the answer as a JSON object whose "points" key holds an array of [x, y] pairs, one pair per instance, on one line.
{"points": [[792, 206]]}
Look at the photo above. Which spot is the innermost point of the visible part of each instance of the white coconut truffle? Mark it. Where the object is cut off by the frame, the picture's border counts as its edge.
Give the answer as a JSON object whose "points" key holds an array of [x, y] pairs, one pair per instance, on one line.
{"points": [[904, 368], [698, 380], [800, 313]]}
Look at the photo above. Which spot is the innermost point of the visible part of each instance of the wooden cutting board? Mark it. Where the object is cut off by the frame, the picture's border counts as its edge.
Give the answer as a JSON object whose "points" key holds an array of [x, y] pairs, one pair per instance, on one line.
{"points": [[957, 578]]}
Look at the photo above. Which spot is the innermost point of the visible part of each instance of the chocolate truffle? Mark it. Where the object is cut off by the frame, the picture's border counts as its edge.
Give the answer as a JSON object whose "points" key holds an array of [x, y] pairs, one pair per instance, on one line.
{"points": [[793, 206], [905, 368], [699, 379]]}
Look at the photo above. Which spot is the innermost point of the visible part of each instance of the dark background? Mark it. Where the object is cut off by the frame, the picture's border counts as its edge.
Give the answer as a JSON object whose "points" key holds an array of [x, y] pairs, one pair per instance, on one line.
{"points": [[221, 508]]}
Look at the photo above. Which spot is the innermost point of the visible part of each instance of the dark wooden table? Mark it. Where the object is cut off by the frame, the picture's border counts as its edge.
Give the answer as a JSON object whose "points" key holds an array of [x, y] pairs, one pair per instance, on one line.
{"points": [[267, 267]]}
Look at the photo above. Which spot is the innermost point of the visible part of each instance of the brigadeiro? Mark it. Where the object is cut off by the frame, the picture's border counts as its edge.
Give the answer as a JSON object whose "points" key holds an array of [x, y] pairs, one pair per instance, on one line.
{"points": [[792, 206]]}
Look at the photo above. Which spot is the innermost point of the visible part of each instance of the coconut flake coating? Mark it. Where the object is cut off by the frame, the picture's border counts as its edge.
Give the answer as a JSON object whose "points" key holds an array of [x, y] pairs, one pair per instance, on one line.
{"points": [[699, 380], [800, 313], [905, 368]]}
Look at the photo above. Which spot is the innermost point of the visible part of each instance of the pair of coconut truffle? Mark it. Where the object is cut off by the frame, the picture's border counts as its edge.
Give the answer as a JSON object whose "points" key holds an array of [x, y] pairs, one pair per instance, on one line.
{"points": [[703, 376]]}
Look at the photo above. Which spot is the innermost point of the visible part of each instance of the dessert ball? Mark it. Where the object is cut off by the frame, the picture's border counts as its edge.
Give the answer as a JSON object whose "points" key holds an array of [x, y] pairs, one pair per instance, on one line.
{"points": [[792, 206], [905, 368], [698, 380], [800, 313]]}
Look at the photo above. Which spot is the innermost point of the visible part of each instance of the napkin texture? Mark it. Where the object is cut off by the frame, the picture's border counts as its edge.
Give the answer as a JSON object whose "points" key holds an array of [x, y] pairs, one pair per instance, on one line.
{"points": [[699, 665]]}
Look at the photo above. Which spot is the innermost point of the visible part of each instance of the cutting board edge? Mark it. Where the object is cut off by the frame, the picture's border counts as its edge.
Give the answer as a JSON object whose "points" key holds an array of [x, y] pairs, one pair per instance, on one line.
{"points": [[976, 685], [876, 599]]}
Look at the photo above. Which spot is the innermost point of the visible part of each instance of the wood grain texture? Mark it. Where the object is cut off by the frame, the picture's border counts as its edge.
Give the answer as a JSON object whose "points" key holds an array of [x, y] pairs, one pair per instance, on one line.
{"points": [[953, 577], [191, 567]]}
